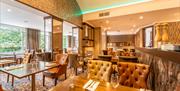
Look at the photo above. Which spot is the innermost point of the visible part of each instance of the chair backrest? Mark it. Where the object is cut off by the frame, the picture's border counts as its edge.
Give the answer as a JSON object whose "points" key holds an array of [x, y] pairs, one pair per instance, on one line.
{"points": [[73, 59], [62, 59], [105, 52], [27, 58], [99, 70], [1, 89], [133, 74]]}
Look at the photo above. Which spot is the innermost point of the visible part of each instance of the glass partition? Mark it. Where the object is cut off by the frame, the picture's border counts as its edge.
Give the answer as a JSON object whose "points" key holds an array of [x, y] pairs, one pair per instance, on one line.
{"points": [[57, 36], [70, 37]]}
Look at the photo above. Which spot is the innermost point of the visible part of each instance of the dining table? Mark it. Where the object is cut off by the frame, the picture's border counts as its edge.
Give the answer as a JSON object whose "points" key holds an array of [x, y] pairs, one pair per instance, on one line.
{"points": [[6, 62], [128, 58], [31, 69], [80, 81]]}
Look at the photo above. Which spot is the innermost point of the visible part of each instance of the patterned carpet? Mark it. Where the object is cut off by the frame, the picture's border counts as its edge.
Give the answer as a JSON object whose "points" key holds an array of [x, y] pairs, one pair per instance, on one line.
{"points": [[25, 84]]}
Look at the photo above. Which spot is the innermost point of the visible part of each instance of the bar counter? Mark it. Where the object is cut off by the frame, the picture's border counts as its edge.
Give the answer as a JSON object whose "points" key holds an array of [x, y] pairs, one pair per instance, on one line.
{"points": [[167, 55], [164, 68]]}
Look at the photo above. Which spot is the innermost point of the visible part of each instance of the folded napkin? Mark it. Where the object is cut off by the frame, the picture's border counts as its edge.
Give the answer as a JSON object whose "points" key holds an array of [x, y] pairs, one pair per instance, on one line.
{"points": [[50, 64], [87, 84], [13, 67], [91, 85]]}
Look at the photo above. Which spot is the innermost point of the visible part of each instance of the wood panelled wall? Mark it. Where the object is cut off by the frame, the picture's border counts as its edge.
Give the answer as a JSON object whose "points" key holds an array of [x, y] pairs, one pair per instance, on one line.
{"points": [[120, 38], [139, 38], [65, 9]]}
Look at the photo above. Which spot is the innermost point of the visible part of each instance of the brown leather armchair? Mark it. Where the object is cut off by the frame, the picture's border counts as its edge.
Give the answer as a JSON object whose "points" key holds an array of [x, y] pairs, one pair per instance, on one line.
{"points": [[99, 70], [56, 72], [133, 74], [1, 89]]}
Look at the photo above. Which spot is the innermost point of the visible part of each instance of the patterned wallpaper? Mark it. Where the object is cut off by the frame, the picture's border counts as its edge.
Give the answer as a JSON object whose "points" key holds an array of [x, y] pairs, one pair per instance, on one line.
{"points": [[174, 32], [65, 9]]}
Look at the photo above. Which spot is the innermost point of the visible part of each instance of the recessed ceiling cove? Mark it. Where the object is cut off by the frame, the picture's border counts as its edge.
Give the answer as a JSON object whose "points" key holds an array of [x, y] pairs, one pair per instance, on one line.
{"points": [[89, 6]]}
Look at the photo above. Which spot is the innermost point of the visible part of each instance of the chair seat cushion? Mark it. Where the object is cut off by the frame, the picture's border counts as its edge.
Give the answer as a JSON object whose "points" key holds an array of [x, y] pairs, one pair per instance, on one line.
{"points": [[51, 72]]}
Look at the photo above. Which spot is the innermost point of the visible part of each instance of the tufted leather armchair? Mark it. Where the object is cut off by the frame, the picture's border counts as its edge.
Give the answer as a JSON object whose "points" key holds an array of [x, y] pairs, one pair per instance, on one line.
{"points": [[99, 70], [133, 74]]}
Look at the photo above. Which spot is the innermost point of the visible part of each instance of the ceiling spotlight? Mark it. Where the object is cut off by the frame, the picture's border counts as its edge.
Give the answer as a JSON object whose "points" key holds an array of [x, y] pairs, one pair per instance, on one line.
{"points": [[109, 28], [141, 17], [58, 28], [107, 22], [134, 25], [9, 10]]}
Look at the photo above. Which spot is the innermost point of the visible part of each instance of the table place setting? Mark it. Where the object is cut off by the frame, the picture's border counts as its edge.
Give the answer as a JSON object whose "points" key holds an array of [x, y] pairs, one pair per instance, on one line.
{"points": [[13, 67], [50, 64], [91, 85]]}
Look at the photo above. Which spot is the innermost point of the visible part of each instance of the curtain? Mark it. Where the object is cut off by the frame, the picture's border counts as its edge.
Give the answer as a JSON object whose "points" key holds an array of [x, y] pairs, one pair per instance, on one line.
{"points": [[33, 39]]}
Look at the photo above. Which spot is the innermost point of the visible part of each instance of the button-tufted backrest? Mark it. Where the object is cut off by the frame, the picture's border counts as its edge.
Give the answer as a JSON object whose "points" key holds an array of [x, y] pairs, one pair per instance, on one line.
{"points": [[133, 74], [99, 70], [27, 58]]}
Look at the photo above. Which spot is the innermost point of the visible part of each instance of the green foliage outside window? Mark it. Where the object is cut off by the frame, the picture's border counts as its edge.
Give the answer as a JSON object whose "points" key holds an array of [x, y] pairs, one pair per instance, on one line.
{"points": [[42, 42], [11, 38]]}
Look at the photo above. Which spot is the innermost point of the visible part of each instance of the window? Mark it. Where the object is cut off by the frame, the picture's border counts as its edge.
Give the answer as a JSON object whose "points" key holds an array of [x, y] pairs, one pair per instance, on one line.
{"points": [[11, 38], [41, 40], [148, 38]]}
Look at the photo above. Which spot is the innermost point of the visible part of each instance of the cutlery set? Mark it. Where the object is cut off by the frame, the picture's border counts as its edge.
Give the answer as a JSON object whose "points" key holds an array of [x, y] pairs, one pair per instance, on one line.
{"points": [[91, 85]]}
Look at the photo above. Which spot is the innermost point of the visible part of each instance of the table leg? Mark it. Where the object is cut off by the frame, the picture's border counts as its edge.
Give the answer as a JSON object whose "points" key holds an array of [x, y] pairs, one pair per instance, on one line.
{"points": [[33, 83], [7, 77], [12, 81]]}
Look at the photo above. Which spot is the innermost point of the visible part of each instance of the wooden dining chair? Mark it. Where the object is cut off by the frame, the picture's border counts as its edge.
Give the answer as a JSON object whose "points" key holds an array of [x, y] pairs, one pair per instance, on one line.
{"points": [[99, 70], [133, 74], [75, 62], [62, 60], [26, 59], [1, 89]]}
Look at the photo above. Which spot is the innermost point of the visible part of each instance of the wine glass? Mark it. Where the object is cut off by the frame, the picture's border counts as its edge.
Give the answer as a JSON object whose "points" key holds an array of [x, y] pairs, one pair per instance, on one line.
{"points": [[114, 80], [72, 75]]}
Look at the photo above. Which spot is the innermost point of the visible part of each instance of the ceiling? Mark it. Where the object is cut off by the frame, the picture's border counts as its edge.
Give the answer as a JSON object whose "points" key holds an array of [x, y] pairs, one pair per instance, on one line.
{"points": [[17, 14], [129, 24], [89, 6]]}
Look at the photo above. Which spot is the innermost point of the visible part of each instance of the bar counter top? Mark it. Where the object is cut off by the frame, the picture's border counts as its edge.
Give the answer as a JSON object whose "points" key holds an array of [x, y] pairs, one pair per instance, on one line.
{"points": [[168, 55]]}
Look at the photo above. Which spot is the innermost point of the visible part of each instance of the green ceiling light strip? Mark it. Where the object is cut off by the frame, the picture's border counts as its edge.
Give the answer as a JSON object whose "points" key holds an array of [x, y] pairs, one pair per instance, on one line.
{"points": [[116, 6]]}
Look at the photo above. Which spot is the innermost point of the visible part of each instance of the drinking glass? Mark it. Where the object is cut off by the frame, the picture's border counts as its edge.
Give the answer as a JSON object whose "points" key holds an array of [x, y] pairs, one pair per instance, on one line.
{"points": [[114, 80], [72, 75]]}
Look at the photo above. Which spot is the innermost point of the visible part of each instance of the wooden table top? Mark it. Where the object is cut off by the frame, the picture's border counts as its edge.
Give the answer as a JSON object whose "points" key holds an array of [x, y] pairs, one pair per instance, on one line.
{"points": [[4, 62], [80, 81], [28, 69]]}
